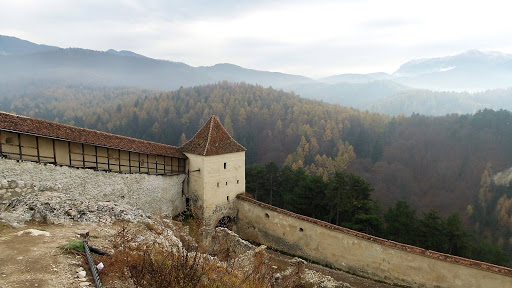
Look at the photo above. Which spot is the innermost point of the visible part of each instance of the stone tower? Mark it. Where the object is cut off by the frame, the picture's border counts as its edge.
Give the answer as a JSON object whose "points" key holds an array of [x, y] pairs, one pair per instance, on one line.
{"points": [[216, 172]]}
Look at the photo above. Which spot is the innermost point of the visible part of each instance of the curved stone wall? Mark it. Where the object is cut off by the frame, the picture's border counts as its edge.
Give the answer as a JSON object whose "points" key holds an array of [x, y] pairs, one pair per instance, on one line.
{"points": [[360, 253]]}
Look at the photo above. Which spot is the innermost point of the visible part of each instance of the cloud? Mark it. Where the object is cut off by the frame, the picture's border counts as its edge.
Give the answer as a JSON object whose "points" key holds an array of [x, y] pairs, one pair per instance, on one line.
{"points": [[300, 37], [388, 23]]}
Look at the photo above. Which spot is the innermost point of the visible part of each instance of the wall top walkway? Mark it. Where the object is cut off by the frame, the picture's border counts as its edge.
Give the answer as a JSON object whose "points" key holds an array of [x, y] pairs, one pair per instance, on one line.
{"points": [[44, 128], [404, 247]]}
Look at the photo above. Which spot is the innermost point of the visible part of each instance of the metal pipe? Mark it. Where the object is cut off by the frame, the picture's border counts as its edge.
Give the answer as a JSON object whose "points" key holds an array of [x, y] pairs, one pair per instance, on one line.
{"points": [[94, 271]]}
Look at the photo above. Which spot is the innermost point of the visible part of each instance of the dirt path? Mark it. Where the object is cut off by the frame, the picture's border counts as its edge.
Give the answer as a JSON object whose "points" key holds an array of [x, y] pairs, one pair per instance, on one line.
{"points": [[36, 261]]}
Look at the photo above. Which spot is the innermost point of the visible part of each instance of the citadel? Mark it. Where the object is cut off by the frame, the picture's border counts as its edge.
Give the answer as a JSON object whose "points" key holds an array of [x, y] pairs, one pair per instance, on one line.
{"points": [[206, 175]]}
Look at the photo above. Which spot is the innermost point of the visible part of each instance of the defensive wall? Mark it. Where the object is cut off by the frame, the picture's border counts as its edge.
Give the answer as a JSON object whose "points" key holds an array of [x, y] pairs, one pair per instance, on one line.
{"points": [[359, 253], [38, 155], [205, 174], [151, 193]]}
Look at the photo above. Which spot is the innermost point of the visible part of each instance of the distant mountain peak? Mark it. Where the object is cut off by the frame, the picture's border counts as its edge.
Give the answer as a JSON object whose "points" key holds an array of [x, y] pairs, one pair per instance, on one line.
{"points": [[124, 53], [472, 70], [10, 45]]}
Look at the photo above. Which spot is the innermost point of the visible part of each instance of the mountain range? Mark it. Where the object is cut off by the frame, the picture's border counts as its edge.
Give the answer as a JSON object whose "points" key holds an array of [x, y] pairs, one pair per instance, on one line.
{"points": [[23, 63]]}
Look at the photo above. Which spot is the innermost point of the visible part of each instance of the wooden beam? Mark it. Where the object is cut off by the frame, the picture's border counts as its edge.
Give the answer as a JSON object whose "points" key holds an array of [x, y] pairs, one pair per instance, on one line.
{"points": [[129, 161], [69, 153], [37, 149], [19, 145], [108, 160], [96, 154], [156, 164], [83, 155], [54, 154], [1, 154]]}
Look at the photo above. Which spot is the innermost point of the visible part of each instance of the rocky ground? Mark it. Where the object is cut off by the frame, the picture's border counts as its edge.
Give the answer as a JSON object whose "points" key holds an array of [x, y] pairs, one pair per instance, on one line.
{"points": [[35, 227]]}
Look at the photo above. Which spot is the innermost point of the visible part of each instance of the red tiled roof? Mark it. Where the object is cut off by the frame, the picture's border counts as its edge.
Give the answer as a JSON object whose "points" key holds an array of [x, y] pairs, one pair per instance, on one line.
{"points": [[212, 139], [51, 129]]}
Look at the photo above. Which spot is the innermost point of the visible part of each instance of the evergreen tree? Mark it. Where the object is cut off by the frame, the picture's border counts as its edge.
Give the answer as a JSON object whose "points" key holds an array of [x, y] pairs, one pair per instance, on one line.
{"points": [[401, 223]]}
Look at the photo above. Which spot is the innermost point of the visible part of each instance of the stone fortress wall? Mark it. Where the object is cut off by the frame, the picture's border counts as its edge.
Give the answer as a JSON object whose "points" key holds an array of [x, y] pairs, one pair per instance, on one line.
{"points": [[359, 253], [151, 193]]}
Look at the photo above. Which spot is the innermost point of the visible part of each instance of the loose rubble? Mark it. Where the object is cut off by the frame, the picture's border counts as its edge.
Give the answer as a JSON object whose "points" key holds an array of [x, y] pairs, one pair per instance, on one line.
{"points": [[60, 208], [34, 232], [82, 277]]}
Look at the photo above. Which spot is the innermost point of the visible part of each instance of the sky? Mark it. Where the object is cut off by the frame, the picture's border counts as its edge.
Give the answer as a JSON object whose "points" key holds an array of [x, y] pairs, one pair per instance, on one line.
{"points": [[310, 38]]}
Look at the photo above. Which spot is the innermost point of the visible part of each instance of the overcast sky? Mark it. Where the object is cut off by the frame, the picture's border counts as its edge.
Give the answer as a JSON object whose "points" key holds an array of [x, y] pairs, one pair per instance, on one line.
{"points": [[311, 38]]}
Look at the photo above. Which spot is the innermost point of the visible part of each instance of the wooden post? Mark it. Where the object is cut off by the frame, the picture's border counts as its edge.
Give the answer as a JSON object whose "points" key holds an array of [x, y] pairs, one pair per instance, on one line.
{"points": [[164, 165], [96, 154], [1, 154], [83, 155], [69, 153], [130, 162], [54, 154], [19, 145], [119, 159], [37, 150], [156, 164], [139, 161], [108, 160]]}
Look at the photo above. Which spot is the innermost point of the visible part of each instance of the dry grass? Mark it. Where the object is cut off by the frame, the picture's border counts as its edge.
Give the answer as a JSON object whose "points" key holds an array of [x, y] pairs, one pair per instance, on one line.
{"points": [[137, 264]]}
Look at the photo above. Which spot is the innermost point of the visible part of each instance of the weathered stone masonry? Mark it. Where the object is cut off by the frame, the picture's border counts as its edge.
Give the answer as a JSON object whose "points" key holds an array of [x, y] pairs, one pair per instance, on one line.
{"points": [[151, 193]]}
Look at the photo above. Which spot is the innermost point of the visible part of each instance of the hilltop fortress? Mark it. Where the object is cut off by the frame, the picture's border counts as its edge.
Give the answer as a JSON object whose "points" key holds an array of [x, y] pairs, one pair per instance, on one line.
{"points": [[207, 176]]}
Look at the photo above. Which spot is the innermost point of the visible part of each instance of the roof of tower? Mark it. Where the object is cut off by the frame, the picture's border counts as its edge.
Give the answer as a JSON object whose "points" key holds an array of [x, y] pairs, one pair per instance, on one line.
{"points": [[40, 127], [212, 139]]}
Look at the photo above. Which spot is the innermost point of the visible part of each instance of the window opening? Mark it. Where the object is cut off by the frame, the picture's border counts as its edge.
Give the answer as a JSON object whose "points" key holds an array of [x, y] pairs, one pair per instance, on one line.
{"points": [[224, 165]]}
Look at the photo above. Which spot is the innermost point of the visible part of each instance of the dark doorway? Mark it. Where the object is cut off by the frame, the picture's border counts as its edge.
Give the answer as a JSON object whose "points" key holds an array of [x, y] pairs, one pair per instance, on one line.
{"points": [[187, 204], [225, 222]]}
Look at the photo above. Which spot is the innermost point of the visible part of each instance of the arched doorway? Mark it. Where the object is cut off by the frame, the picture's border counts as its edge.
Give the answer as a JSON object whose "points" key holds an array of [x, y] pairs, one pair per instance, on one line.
{"points": [[225, 222]]}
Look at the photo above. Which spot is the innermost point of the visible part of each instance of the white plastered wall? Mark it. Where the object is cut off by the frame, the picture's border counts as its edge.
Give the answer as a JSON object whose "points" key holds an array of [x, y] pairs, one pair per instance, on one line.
{"points": [[215, 186]]}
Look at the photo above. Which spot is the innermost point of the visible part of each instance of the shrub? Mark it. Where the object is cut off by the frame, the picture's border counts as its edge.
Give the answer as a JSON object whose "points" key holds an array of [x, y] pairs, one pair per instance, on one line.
{"points": [[74, 246]]}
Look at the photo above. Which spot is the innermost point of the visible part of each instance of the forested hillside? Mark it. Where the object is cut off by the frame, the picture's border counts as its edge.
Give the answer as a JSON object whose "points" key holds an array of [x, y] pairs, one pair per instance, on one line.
{"points": [[345, 199], [431, 162], [440, 103], [26, 66]]}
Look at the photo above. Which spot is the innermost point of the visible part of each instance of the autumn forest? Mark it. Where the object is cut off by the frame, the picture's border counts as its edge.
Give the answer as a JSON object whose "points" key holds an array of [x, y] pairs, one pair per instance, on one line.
{"points": [[438, 170]]}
